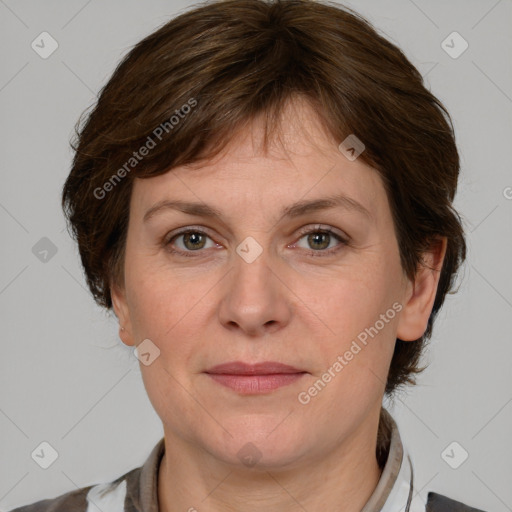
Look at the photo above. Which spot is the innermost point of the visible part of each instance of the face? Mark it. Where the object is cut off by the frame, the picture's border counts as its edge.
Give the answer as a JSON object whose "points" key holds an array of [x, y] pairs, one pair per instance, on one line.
{"points": [[319, 289]]}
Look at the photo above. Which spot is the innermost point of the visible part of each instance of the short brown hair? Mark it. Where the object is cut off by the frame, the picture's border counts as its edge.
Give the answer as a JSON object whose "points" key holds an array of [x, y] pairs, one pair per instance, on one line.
{"points": [[229, 61]]}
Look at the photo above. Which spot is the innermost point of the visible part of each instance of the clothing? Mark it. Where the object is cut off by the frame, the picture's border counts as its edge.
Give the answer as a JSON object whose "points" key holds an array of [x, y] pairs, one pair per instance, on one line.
{"points": [[136, 491]]}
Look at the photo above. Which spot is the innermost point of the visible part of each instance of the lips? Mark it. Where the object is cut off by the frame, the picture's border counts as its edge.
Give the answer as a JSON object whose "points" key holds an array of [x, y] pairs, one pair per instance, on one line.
{"points": [[265, 368], [256, 378]]}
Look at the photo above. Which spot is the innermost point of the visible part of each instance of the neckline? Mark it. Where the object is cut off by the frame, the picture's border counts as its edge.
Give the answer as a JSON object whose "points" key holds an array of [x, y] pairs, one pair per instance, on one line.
{"points": [[392, 488]]}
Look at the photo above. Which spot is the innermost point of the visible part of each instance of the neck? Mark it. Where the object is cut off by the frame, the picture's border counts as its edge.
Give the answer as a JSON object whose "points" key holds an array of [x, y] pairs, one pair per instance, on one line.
{"points": [[342, 479]]}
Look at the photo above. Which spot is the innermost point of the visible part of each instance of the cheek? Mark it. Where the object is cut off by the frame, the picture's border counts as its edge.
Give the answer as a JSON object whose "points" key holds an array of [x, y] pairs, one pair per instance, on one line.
{"points": [[356, 315], [354, 361], [158, 299], [353, 300], [172, 312]]}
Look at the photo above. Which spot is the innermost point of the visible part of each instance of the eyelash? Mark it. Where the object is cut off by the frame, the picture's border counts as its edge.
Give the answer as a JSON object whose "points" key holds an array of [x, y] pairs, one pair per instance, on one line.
{"points": [[318, 253]]}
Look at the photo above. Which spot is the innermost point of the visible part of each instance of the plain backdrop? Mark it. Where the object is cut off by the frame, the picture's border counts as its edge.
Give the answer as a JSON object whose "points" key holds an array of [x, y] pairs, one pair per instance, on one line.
{"points": [[65, 377]]}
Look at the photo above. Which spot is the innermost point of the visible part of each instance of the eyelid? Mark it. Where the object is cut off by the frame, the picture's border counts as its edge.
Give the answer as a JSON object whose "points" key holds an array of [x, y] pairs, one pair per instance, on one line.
{"points": [[186, 229], [323, 227]]}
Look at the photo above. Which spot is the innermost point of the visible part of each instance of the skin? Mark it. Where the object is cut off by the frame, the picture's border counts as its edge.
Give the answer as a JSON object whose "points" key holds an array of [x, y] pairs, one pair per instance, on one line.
{"points": [[288, 305]]}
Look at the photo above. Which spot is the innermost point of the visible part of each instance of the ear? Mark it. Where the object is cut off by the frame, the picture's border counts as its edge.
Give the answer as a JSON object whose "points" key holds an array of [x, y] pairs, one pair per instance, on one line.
{"points": [[421, 293], [122, 312]]}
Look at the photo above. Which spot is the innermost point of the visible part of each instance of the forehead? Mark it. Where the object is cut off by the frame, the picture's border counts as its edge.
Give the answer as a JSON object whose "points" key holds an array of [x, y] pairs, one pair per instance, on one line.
{"points": [[298, 130], [301, 160]]}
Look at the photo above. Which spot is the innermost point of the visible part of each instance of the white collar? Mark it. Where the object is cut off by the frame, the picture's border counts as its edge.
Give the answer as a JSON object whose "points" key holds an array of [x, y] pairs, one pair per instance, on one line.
{"points": [[395, 489]]}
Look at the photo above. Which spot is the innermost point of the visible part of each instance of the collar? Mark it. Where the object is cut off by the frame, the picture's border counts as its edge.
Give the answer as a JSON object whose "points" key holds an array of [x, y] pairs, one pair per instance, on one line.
{"points": [[148, 490], [394, 491]]}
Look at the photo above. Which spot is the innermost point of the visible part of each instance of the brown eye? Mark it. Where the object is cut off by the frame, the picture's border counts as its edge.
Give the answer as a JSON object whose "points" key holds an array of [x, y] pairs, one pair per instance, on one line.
{"points": [[187, 242], [321, 242], [193, 240], [318, 239]]}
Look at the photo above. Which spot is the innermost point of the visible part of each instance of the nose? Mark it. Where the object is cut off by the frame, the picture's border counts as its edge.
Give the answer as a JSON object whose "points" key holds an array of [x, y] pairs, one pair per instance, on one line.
{"points": [[255, 299]]}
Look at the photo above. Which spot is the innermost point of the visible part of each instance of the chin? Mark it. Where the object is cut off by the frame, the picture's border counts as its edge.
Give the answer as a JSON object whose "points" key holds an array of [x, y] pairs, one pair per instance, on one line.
{"points": [[256, 443]]}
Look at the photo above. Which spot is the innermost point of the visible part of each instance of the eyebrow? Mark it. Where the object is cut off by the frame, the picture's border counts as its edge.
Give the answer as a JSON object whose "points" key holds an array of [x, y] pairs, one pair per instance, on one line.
{"points": [[295, 210]]}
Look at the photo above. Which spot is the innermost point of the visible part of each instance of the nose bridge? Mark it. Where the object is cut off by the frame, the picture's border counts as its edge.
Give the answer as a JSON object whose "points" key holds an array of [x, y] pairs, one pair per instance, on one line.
{"points": [[254, 298], [252, 281]]}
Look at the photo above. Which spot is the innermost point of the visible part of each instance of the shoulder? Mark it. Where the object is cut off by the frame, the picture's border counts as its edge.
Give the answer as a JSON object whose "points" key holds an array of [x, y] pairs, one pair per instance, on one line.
{"points": [[110, 496], [135, 490], [439, 503], [72, 501]]}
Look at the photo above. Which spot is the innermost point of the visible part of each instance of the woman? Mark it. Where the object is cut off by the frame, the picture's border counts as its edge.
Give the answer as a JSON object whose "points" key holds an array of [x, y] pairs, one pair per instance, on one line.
{"points": [[263, 195]]}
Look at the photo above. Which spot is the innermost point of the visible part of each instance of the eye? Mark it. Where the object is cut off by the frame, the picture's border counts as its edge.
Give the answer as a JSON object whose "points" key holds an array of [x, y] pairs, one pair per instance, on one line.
{"points": [[192, 240], [320, 240]]}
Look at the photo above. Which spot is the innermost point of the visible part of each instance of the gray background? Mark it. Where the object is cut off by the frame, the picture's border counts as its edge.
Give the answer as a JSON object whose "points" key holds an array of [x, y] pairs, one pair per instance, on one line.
{"points": [[65, 378]]}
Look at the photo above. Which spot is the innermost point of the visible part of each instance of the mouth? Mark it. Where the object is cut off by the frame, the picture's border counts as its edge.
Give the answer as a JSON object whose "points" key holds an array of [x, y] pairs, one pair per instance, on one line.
{"points": [[254, 379]]}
